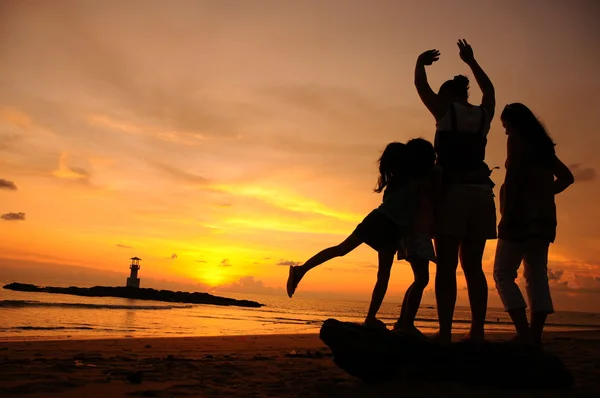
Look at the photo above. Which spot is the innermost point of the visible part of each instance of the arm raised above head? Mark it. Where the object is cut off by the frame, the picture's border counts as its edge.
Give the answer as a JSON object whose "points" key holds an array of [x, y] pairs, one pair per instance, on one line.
{"points": [[488, 101], [427, 95]]}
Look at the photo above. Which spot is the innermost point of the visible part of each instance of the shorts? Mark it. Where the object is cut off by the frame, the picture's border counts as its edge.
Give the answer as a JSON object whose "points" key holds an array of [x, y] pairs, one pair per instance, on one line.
{"points": [[467, 212], [379, 232], [417, 246]]}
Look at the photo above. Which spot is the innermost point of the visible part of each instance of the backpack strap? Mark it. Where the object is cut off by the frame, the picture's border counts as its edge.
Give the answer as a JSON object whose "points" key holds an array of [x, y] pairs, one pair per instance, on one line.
{"points": [[482, 121], [453, 117]]}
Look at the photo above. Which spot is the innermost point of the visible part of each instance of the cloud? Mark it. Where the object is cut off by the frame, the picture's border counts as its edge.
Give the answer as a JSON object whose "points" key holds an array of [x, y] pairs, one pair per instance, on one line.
{"points": [[124, 246], [287, 200], [582, 284], [225, 263], [55, 271], [369, 266], [71, 173], [9, 142], [15, 117], [169, 106], [5, 184], [179, 174], [347, 108], [173, 256], [555, 275], [201, 261], [428, 295], [13, 217], [321, 99], [288, 262], [582, 173], [112, 123], [248, 284], [105, 121]]}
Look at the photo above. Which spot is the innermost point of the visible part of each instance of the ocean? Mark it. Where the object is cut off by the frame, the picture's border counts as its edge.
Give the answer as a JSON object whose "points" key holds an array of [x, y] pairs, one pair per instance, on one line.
{"points": [[43, 316]]}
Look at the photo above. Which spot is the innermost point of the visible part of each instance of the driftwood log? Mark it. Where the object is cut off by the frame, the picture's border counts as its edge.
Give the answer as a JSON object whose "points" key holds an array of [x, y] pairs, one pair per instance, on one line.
{"points": [[374, 355]]}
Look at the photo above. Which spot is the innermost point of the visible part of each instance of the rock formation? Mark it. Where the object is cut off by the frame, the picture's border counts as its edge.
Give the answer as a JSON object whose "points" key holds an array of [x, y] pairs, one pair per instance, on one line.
{"points": [[136, 293]]}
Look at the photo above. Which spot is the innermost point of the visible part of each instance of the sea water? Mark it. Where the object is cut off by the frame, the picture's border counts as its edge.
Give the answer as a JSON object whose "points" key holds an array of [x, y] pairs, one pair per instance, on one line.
{"points": [[25, 315]]}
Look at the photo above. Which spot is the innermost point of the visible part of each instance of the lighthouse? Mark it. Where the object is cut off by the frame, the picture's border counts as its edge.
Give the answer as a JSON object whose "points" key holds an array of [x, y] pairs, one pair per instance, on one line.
{"points": [[133, 280]]}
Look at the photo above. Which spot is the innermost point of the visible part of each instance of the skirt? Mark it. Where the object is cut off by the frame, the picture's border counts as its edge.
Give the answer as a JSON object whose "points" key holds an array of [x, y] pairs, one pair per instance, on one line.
{"points": [[417, 246], [379, 232]]}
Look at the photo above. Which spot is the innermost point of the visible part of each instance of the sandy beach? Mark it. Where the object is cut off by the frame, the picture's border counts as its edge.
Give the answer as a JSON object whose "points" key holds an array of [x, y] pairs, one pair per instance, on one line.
{"points": [[241, 366]]}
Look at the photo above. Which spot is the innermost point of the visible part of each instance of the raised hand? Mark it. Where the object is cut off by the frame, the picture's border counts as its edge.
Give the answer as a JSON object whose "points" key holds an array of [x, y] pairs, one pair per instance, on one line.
{"points": [[465, 51], [428, 57]]}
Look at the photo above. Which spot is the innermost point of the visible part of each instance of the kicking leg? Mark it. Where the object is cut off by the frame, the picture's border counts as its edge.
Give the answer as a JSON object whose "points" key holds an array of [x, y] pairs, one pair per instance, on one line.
{"points": [[297, 272]]}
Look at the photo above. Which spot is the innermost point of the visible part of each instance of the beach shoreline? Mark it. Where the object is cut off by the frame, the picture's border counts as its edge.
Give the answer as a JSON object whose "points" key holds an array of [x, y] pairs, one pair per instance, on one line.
{"points": [[282, 365], [492, 335]]}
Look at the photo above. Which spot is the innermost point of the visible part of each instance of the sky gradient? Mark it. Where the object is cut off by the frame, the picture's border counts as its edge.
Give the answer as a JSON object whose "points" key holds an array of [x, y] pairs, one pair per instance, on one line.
{"points": [[221, 141]]}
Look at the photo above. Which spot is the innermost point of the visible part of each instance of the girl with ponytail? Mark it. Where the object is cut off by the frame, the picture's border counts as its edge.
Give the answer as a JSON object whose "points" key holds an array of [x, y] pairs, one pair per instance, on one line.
{"points": [[401, 167]]}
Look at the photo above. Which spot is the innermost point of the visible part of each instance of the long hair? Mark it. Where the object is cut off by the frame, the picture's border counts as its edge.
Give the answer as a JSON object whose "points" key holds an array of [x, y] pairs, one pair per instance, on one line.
{"points": [[526, 124], [391, 165]]}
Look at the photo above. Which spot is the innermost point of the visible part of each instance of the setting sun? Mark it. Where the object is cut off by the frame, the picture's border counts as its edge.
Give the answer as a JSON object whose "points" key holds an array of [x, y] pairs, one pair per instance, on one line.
{"points": [[212, 276]]}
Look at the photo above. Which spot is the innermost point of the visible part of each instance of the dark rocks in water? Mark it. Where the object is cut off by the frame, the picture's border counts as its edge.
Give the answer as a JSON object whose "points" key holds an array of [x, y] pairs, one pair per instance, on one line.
{"points": [[136, 293], [375, 355]]}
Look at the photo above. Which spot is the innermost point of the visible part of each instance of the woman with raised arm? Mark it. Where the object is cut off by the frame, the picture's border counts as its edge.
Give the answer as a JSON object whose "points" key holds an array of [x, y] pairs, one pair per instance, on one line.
{"points": [[466, 212], [528, 223]]}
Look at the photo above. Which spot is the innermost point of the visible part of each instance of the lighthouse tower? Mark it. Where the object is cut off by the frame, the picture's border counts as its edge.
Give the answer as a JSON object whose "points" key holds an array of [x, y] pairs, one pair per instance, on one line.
{"points": [[133, 280]]}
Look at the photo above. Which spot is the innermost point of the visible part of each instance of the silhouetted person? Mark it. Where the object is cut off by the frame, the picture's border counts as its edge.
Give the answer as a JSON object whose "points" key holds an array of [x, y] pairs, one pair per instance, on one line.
{"points": [[416, 248], [384, 227], [528, 223], [466, 213]]}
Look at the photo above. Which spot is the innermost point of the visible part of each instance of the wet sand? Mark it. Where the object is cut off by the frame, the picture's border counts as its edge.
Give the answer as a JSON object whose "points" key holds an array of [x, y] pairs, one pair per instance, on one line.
{"points": [[240, 366]]}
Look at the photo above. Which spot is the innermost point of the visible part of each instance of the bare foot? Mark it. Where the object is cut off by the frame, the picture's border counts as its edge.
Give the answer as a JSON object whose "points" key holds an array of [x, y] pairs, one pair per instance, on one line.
{"points": [[374, 323], [294, 277], [473, 337], [523, 341], [441, 339], [409, 330]]}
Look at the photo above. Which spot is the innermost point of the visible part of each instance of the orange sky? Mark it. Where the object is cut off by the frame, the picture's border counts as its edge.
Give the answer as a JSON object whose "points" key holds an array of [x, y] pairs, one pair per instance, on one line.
{"points": [[218, 139]]}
